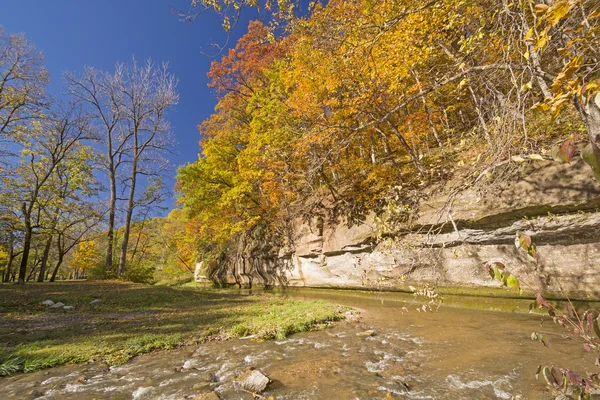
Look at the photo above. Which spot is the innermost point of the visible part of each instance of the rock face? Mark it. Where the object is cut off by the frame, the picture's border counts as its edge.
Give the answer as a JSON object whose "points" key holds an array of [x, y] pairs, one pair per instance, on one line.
{"points": [[452, 236]]}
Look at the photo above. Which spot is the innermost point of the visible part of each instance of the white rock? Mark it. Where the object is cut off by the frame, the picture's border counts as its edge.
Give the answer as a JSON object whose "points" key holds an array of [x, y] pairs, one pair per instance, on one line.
{"points": [[254, 381], [95, 301], [48, 303], [57, 305], [191, 363], [68, 307]]}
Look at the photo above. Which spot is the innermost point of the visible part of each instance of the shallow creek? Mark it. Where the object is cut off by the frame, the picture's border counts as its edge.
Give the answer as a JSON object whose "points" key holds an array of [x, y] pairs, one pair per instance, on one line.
{"points": [[449, 354]]}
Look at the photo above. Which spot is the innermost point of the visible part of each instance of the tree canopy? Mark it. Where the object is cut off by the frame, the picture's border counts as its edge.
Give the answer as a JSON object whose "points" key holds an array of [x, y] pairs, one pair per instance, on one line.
{"points": [[361, 100]]}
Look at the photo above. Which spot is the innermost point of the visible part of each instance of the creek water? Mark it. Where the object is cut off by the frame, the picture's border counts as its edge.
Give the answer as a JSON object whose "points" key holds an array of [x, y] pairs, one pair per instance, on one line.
{"points": [[452, 353]]}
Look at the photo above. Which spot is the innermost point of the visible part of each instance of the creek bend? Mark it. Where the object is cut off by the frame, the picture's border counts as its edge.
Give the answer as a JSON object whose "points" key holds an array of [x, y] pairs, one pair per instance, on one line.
{"points": [[452, 353]]}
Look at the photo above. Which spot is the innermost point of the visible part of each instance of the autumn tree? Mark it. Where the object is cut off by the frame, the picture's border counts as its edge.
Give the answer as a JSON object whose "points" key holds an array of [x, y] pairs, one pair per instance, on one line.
{"points": [[360, 100], [130, 107], [47, 144], [23, 80], [84, 257]]}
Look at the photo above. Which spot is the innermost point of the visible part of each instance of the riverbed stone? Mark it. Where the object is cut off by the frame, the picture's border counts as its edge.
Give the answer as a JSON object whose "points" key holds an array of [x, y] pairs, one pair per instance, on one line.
{"points": [[48, 302], [254, 381], [68, 307], [367, 333], [57, 305]]}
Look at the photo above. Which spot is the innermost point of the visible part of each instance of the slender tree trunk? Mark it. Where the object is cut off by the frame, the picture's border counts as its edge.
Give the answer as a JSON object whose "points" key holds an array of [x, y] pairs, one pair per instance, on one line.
{"points": [[130, 205], [429, 120], [45, 260], [32, 273], [410, 152], [26, 247], [110, 235], [56, 267], [11, 257]]}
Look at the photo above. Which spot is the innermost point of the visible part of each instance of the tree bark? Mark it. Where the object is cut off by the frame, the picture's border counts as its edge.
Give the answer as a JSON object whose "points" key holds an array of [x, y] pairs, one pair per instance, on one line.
{"points": [[56, 267], [26, 245], [11, 257], [45, 260], [110, 232], [129, 215]]}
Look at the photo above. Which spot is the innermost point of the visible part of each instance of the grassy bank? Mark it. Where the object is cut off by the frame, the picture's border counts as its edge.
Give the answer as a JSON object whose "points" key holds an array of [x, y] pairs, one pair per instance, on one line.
{"points": [[133, 319]]}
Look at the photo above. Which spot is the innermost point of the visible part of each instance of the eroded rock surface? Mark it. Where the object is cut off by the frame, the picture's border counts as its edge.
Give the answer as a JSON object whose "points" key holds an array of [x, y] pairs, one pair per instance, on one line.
{"points": [[451, 237]]}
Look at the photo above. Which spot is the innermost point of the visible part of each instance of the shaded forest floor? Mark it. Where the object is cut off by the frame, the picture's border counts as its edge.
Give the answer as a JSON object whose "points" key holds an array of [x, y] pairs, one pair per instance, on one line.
{"points": [[132, 319]]}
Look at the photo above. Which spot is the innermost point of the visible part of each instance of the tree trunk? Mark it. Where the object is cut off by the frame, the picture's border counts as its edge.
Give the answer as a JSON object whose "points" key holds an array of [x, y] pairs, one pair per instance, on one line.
{"points": [[11, 257], [110, 235], [45, 260], [32, 273], [130, 205], [56, 267], [26, 248]]}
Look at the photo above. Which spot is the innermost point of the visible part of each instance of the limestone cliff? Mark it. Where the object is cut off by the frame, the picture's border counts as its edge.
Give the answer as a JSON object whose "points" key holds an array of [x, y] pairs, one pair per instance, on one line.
{"points": [[450, 238]]}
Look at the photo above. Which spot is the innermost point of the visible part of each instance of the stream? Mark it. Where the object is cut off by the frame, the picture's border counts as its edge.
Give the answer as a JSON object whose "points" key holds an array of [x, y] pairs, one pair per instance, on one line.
{"points": [[451, 353]]}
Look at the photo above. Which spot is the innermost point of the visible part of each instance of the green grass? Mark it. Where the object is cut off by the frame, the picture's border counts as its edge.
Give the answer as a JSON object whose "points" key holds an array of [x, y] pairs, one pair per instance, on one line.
{"points": [[134, 319]]}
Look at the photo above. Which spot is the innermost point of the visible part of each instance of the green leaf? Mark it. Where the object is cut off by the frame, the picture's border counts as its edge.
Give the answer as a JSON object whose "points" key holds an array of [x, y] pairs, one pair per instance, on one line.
{"points": [[512, 282], [497, 274], [532, 252]]}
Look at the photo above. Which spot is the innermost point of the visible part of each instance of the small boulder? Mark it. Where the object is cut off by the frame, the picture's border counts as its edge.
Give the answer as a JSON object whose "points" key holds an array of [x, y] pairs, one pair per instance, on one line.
{"points": [[68, 307], [254, 381], [48, 303], [81, 379], [352, 316], [366, 333], [192, 363], [95, 301], [57, 305]]}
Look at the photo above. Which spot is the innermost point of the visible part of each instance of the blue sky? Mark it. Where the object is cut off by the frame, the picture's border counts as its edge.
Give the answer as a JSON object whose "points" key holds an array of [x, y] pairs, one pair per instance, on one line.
{"points": [[75, 33]]}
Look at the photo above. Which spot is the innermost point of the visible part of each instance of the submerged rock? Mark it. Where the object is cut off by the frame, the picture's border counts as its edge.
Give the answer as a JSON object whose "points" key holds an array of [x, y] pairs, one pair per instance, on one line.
{"points": [[254, 381], [366, 333], [192, 363]]}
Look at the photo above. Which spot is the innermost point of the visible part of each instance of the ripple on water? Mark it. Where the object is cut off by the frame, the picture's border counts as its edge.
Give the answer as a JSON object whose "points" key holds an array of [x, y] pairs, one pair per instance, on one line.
{"points": [[498, 386], [141, 392]]}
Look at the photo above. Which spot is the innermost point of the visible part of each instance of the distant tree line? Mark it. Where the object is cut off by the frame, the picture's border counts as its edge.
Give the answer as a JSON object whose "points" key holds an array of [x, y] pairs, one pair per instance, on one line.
{"points": [[78, 169]]}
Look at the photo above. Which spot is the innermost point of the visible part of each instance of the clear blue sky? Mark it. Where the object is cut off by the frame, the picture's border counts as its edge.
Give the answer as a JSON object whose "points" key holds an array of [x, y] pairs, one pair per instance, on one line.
{"points": [[75, 33]]}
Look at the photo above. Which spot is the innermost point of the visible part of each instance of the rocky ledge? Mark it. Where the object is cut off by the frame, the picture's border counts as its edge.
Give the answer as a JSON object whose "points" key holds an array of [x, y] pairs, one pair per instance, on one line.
{"points": [[451, 238]]}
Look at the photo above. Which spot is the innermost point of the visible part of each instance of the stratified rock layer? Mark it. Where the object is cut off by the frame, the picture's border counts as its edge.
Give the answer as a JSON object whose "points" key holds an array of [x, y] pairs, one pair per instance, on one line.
{"points": [[452, 236]]}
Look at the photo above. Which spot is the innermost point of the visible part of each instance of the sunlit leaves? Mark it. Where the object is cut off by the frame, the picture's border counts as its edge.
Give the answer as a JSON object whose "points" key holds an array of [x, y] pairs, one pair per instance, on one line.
{"points": [[498, 271], [523, 241]]}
